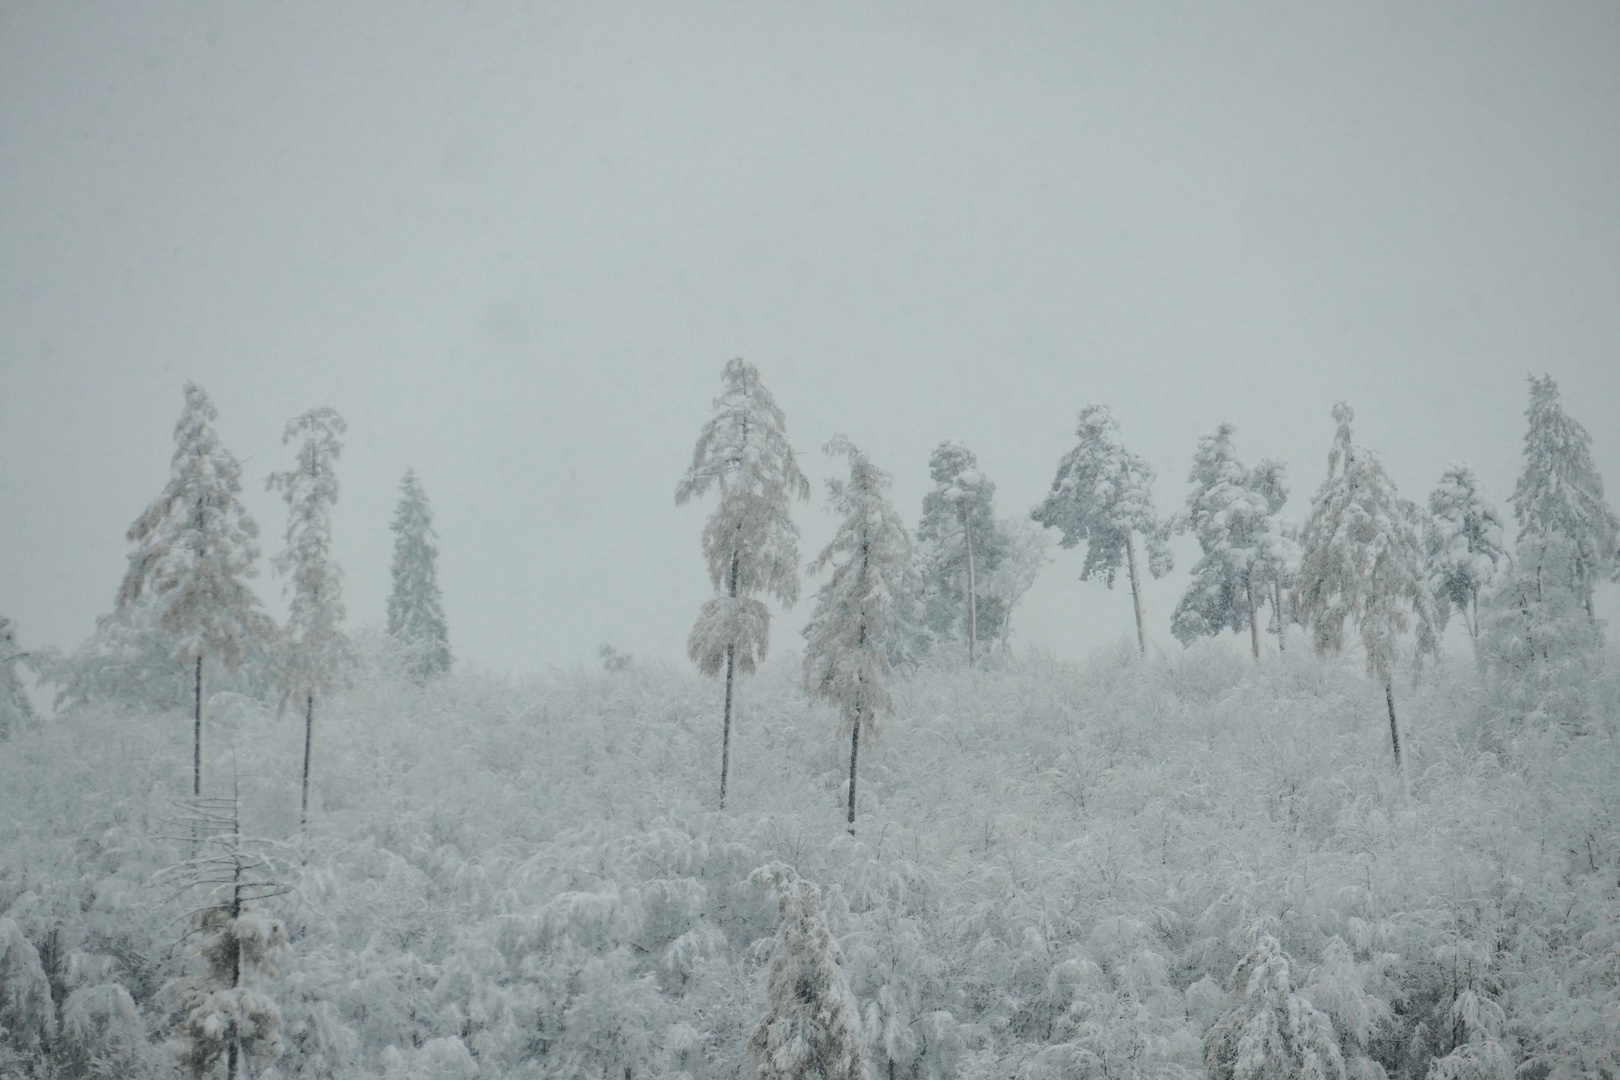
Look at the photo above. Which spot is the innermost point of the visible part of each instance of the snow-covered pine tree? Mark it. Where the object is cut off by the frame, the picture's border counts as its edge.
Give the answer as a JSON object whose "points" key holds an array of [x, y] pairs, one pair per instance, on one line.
{"points": [[1537, 636], [846, 660], [1103, 495], [415, 606], [16, 710], [194, 546], [1232, 511], [316, 649], [811, 1029], [750, 541], [1026, 550], [1271, 1032], [1280, 558], [1467, 552], [224, 1014], [27, 1011], [1362, 557], [1560, 492], [961, 546]]}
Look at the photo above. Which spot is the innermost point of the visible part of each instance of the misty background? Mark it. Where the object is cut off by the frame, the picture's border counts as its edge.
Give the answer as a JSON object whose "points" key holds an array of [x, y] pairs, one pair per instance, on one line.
{"points": [[514, 244]]}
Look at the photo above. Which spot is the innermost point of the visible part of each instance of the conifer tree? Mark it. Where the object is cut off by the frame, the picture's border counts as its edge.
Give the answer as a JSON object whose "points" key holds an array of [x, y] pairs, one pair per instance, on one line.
{"points": [[846, 662], [1103, 495], [1271, 1032], [750, 541], [225, 1015], [1362, 558], [962, 547], [1560, 493], [1232, 510], [194, 546], [16, 711], [415, 606], [316, 649], [1467, 552], [812, 1027]]}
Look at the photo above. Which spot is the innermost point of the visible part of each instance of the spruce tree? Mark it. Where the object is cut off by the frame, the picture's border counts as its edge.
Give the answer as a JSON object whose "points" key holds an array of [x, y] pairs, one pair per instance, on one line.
{"points": [[415, 606], [750, 541], [962, 547], [1232, 511], [316, 649], [1560, 493], [846, 662], [811, 1029], [1467, 552], [1102, 494], [194, 547], [1362, 558]]}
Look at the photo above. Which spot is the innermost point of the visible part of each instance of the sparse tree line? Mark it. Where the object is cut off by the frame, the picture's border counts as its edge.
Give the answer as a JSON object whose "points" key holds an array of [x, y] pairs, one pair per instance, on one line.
{"points": [[1364, 558], [183, 609]]}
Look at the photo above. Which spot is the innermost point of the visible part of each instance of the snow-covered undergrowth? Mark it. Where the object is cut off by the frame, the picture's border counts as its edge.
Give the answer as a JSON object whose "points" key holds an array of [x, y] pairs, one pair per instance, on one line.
{"points": [[1056, 871]]}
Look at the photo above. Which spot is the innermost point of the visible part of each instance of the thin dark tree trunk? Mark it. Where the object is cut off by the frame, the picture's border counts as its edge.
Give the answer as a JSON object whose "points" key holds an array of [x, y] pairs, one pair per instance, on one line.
{"points": [[1394, 728], [854, 755], [972, 598], [1136, 591], [233, 1047], [725, 730], [309, 735], [731, 657], [1254, 622], [1276, 609], [196, 741]]}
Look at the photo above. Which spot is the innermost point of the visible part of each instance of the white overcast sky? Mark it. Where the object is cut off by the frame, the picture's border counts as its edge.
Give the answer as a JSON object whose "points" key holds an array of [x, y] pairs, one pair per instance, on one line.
{"points": [[514, 244]]}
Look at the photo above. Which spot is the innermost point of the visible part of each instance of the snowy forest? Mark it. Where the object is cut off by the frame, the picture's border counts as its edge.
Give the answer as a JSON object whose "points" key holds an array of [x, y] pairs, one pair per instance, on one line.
{"points": [[1309, 841]]}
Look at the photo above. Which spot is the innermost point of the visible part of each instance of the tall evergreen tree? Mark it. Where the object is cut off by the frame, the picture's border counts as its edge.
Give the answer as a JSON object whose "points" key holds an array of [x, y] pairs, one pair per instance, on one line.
{"points": [[194, 546], [16, 710], [1232, 511], [962, 547], [1362, 558], [415, 606], [1560, 493], [846, 662], [1467, 552], [811, 1029], [316, 649], [1103, 495], [750, 541]]}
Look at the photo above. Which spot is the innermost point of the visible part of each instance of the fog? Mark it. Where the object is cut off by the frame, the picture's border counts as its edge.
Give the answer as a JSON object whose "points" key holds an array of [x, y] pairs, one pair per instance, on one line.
{"points": [[514, 245]]}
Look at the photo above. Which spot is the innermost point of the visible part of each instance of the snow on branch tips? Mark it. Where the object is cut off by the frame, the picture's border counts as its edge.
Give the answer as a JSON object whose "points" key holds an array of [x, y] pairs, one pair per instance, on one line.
{"points": [[750, 541]]}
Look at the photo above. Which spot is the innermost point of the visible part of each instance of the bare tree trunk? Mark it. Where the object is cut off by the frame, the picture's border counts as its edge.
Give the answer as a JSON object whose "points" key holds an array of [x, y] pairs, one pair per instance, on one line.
{"points": [[196, 742], [1394, 728], [731, 667], [1254, 622], [1136, 591], [1276, 609], [309, 734], [972, 599], [854, 754], [725, 730]]}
